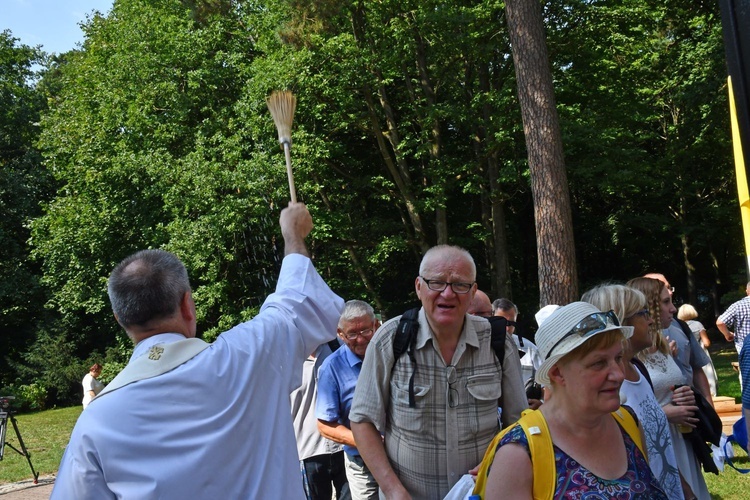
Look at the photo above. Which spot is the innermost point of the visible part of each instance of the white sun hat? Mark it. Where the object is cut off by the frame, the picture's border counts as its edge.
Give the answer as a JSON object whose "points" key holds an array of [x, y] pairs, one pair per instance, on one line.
{"points": [[567, 328], [544, 313]]}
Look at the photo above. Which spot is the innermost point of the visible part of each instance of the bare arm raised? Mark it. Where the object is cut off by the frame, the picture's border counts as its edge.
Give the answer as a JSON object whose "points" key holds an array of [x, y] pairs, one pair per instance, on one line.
{"points": [[296, 224]]}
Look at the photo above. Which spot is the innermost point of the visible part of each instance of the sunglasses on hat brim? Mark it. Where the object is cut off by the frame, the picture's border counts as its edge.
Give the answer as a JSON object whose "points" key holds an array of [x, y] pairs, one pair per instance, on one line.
{"points": [[588, 326]]}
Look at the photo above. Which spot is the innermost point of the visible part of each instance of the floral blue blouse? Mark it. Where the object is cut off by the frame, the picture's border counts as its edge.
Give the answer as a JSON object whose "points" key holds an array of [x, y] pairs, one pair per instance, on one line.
{"points": [[576, 481]]}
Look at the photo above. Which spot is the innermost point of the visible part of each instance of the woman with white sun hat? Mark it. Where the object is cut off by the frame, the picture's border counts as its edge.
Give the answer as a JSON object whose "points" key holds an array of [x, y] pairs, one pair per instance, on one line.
{"points": [[596, 442]]}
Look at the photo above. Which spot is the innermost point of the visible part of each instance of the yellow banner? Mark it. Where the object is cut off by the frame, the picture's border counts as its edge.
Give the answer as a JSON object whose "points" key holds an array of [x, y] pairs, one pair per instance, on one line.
{"points": [[739, 166]]}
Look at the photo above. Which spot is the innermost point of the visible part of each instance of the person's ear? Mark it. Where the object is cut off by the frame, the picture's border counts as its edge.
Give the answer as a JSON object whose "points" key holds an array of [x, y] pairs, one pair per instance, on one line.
{"points": [[556, 375], [187, 307]]}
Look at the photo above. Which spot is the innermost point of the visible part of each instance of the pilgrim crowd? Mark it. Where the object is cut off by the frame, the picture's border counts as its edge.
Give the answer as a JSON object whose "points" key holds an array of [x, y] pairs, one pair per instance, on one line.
{"points": [[315, 398]]}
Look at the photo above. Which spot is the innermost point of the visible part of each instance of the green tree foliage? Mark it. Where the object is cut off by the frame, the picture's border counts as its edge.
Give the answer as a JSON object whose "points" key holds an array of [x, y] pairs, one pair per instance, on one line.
{"points": [[23, 185], [148, 140], [420, 94], [642, 94], [407, 133]]}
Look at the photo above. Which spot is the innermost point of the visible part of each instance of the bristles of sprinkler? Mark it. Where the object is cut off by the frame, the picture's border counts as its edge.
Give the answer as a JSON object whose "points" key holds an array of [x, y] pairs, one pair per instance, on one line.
{"points": [[281, 104]]}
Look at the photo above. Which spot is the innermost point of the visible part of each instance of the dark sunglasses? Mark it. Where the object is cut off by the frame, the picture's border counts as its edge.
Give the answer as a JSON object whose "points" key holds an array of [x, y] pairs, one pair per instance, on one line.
{"points": [[591, 324], [643, 312]]}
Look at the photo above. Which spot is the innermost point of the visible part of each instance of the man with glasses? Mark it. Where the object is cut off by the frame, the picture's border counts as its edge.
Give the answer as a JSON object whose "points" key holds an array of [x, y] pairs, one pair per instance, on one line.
{"points": [[457, 387], [336, 382]]}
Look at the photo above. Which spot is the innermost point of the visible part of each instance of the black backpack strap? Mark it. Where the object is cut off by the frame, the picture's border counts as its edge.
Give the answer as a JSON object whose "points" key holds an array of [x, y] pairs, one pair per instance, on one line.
{"points": [[642, 368], [683, 324], [405, 340], [691, 339], [499, 327], [408, 326], [520, 337], [333, 345]]}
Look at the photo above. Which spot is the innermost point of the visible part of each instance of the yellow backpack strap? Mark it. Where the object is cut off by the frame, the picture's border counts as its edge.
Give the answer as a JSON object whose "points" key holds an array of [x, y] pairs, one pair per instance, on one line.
{"points": [[542, 455], [540, 448], [627, 422]]}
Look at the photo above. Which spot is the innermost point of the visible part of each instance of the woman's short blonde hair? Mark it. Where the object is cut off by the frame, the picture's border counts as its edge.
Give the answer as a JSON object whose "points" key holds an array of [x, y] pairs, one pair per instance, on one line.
{"points": [[686, 312], [623, 300]]}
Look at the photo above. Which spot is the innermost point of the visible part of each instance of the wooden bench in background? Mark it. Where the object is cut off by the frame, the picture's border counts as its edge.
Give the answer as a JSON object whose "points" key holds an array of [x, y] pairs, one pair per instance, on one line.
{"points": [[728, 411]]}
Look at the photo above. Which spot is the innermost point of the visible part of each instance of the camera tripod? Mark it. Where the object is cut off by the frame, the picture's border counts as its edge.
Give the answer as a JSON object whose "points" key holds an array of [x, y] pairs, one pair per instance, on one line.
{"points": [[6, 415]]}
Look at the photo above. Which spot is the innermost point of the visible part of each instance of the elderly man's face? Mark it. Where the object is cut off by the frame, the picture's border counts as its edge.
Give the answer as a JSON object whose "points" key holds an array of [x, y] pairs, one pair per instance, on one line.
{"points": [[357, 333], [445, 310]]}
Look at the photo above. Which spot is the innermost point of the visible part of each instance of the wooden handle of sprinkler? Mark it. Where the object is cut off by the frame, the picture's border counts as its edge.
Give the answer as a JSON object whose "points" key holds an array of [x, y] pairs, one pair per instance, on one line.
{"points": [[289, 174]]}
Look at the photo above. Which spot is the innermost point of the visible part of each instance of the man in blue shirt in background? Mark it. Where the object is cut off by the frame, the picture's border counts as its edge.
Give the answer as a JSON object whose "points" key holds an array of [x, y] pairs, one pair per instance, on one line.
{"points": [[336, 382]]}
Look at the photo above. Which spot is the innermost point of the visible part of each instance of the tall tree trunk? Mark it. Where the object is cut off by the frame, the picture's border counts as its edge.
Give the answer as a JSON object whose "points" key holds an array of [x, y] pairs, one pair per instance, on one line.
{"points": [[501, 284], [692, 295], [497, 246], [558, 281], [715, 294], [399, 172]]}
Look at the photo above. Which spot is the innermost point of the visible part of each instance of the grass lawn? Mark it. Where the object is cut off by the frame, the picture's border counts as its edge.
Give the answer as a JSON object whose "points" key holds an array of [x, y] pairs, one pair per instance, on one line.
{"points": [[45, 435], [729, 382]]}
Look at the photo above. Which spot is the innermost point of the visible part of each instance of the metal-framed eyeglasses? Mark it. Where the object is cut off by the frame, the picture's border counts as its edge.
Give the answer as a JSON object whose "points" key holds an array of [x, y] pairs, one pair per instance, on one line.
{"points": [[439, 286], [588, 326], [366, 333]]}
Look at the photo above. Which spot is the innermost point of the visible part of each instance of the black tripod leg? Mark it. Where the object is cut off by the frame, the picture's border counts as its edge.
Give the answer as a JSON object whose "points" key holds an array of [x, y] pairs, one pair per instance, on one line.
{"points": [[25, 452], [3, 427]]}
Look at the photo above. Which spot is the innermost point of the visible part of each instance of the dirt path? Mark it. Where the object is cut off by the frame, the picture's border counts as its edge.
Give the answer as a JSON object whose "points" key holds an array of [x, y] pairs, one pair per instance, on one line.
{"points": [[27, 490]]}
